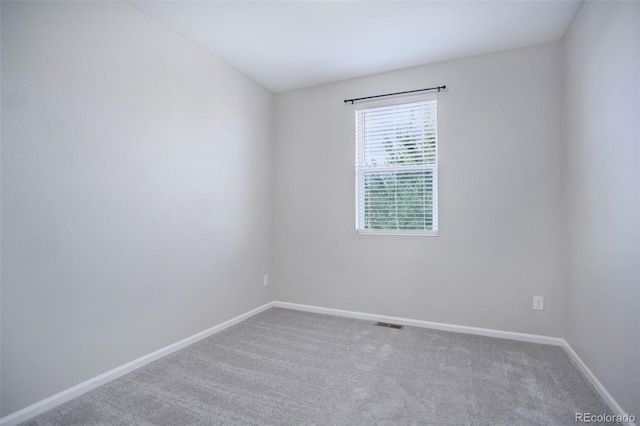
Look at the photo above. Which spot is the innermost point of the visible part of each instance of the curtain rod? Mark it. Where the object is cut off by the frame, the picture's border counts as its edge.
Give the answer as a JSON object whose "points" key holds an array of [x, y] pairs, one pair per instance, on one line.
{"points": [[438, 88]]}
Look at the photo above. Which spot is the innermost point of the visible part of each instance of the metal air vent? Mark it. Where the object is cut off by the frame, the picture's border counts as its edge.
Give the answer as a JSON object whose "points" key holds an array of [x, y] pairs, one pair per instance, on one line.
{"points": [[389, 325]]}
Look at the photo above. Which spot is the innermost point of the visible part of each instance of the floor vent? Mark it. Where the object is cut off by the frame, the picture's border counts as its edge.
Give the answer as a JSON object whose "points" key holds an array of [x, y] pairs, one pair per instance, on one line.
{"points": [[388, 325]]}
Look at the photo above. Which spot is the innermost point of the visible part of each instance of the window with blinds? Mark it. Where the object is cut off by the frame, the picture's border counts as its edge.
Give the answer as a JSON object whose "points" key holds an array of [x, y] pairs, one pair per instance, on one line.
{"points": [[397, 169]]}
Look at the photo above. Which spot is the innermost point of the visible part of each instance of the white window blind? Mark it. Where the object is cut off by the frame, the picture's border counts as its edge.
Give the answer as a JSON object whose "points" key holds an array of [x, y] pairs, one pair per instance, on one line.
{"points": [[397, 169]]}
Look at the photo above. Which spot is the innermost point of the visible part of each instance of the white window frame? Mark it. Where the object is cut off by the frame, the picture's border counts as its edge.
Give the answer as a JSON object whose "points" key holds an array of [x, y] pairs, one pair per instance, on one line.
{"points": [[360, 176]]}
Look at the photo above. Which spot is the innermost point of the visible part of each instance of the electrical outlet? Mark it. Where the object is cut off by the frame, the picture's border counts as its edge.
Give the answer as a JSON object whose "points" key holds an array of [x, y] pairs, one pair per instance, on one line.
{"points": [[538, 303], [265, 280]]}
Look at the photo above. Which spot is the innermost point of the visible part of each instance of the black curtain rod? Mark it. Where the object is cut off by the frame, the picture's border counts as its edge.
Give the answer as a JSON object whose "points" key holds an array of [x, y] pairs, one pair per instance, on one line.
{"points": [[393, 94]]}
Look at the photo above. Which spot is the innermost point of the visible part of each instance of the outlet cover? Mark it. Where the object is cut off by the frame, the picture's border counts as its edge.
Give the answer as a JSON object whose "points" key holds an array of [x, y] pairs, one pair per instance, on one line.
{"points": [[265, 280], [538, 303]]}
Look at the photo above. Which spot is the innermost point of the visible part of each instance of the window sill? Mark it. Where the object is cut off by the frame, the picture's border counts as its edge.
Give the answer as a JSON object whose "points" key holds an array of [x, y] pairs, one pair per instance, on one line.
{"points": [[392, 232]]}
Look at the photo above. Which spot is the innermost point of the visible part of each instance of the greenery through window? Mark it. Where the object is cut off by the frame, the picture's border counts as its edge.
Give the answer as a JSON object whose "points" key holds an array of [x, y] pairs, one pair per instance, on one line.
{"points": [[397, 169]]}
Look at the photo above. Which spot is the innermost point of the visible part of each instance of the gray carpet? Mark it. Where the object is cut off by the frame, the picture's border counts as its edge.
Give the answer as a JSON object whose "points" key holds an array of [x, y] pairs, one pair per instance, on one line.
{"points": [[284, 367]]}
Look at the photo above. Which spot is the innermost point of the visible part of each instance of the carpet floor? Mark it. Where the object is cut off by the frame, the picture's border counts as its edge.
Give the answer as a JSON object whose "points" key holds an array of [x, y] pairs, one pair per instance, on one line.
{"points": [[284, 367]]}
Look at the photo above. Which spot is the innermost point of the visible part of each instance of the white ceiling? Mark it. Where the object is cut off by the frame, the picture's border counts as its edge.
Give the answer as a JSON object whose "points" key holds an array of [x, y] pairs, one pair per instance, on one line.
{"points": [[287, 45]]}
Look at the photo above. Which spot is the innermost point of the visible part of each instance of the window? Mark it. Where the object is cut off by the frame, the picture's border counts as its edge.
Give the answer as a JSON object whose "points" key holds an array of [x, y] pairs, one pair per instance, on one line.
{"points": [[397, 169]]}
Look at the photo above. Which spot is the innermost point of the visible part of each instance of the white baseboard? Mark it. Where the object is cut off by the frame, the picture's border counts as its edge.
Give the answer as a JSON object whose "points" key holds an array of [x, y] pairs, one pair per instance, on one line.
{"points": [[84, 387], [602, 391], [511, 335]]}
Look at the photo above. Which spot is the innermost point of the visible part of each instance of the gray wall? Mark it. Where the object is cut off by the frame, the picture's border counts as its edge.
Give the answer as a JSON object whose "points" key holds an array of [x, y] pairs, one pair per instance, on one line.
{"points": [[602, 90], [501, 202], [135, 192]]}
